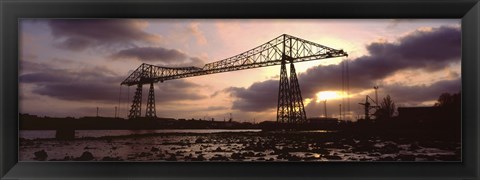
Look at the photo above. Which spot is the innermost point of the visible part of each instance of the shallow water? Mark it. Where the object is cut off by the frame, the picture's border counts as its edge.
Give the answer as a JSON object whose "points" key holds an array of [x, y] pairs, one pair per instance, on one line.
{"points": [[48, 134], [239, 146]]}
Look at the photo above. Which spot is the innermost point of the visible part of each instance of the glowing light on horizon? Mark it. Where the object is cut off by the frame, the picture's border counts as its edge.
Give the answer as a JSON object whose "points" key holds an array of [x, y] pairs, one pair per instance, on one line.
{"points": [[327, 95], [307, 101]]}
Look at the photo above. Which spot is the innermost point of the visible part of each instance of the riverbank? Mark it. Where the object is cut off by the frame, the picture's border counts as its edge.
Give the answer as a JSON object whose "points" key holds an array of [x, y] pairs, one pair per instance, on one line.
{"points": [[243, 146]]}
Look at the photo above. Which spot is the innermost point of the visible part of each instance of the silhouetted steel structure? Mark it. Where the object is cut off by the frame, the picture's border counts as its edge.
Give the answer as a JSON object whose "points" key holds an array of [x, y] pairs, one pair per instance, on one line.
{"points": [[279, 51], [151, 103], [136, 108], [367, 106]]}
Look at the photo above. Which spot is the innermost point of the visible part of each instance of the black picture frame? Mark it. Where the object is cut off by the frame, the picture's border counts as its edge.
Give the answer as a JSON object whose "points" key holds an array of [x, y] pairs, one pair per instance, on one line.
{"points": [[467, 10]]}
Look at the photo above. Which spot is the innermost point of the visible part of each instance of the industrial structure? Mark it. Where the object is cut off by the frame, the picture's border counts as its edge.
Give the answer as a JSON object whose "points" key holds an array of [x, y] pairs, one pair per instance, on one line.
{"points": [[367, 106], [282, 50]]}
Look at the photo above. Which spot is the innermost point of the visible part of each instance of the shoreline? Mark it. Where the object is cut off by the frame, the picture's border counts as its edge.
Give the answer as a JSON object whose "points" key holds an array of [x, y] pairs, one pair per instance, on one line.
{"points": [[248, 146]]}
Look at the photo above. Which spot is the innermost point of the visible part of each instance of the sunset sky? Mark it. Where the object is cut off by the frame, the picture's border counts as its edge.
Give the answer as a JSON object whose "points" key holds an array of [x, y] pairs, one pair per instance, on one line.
{"points": [[70, 67]]}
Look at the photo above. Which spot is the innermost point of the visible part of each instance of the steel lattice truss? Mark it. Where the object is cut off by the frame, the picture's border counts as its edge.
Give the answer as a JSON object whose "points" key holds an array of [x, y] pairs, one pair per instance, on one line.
{"points": [[269, 54], [281, 50]]}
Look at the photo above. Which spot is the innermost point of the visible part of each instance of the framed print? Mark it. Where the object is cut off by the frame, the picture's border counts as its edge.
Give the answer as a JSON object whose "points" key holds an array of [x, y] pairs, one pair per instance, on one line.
{"points": [[314, 89]]}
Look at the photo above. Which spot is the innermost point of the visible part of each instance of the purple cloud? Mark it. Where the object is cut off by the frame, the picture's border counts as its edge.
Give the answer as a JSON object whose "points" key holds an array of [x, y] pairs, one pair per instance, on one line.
{"points": [[79, 34], [427, 50], [100, 84], [158, 55]]}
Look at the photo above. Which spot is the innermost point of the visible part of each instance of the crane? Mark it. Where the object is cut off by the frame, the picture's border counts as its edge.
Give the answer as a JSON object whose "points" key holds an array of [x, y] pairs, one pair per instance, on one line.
{"points": [[368, 107]]}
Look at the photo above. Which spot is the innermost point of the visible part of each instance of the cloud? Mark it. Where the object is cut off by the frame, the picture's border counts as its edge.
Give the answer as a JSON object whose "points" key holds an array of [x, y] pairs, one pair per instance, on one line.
{"points": [[395, 22], [422, 93], [28, 65], [151, 54], [80, 34], [429, 50], [258, 97], [159, 55], [80, 91], [197, 33], [178, 90], [94, 83], [216, 108], [99, 84]]}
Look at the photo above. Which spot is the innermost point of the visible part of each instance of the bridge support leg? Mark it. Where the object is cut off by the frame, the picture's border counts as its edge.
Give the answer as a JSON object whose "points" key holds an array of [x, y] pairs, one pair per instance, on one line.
{"points": [[298, 110], [151, 103], [284, 99], [136, 108], [290, 107]]}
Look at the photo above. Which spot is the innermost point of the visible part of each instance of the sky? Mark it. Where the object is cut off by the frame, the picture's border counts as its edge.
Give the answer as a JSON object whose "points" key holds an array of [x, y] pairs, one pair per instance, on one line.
{"points": [[69, 67]]}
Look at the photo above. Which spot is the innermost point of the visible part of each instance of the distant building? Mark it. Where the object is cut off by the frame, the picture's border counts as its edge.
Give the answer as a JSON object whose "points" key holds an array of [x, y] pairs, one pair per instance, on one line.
{"points": [[418, 114]]}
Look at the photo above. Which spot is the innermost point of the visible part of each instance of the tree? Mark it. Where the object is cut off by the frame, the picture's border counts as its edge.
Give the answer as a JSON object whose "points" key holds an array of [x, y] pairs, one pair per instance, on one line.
{"points": [[447, 100], [387, 108], [450, 105]]}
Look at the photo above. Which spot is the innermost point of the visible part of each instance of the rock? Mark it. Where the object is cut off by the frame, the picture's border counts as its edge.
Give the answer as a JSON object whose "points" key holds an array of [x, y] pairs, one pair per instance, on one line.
{"points": [[41, 155], [108, 158], [363, 147], [86, 156], [219, 158], [320, 151], [86, 147], [333, 157], [389, 149], [161, 155], [199, 158], [310, 158], [237, 156], [259, 154], [172, 158], [413, 147], [66, 158], [406, 157], [386, 158], [352, 159], [366, 159], [26, 142], [179, 153], [294, 158], [200, 140], [144, 154], [248, 154], [283, 156]]}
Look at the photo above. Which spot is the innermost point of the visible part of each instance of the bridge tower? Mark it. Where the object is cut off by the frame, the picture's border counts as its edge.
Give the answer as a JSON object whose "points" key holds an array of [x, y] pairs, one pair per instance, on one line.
{"points": [[298, 110], [284, 96], [151, 103], [290, 108], [136, 108]]}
